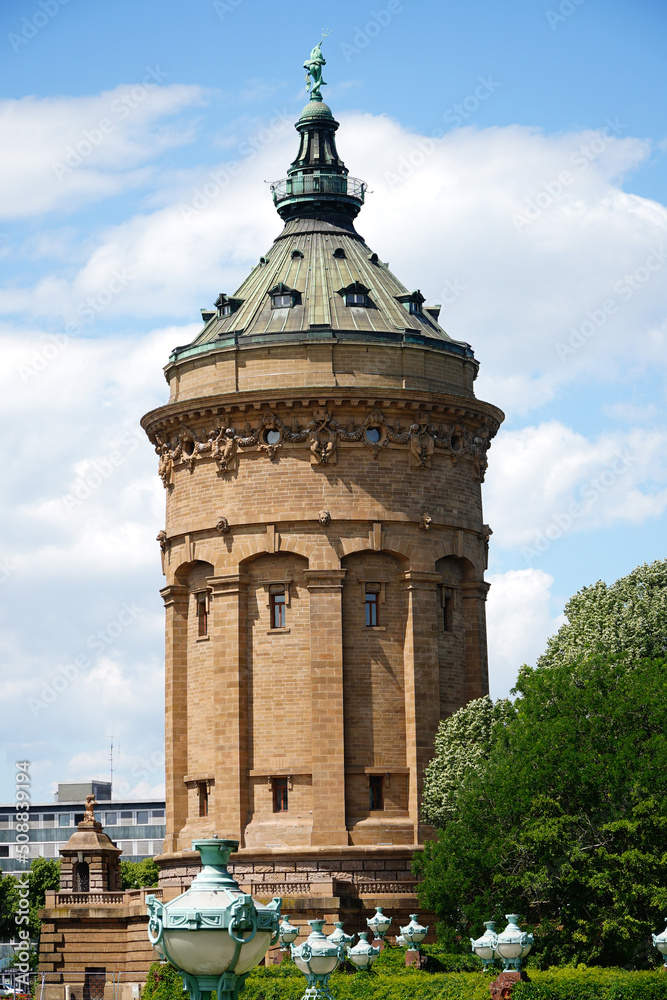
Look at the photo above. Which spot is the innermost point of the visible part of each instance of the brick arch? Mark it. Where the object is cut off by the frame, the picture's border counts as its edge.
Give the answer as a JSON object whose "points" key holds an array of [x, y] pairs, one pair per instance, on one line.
{"points": [[182, 572], [255, 545], [473, 567], [400, 548]]}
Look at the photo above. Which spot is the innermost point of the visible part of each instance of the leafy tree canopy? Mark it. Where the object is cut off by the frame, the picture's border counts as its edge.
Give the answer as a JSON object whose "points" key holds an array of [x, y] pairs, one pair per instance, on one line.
{"points": [[462, 744], [137, 874], [560, 810], [43, 874], [630, 617]]}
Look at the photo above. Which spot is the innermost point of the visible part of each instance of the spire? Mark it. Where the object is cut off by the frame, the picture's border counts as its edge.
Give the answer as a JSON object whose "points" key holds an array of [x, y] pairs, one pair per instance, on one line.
{"points": [[317, 183]]}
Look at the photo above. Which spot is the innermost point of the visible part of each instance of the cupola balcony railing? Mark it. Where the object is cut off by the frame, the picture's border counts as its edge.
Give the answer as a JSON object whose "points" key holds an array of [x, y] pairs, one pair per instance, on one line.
{"points": [[306, 184]]}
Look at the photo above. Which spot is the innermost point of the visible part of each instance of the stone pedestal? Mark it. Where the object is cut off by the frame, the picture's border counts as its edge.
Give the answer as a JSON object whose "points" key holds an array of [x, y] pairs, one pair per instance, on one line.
{"points": [[414, 959], [501, 987], [90, 861]]}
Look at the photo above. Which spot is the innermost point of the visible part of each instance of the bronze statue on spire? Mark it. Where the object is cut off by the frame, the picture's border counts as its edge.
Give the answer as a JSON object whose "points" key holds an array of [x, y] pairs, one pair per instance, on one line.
{"points": [[313, 66]]}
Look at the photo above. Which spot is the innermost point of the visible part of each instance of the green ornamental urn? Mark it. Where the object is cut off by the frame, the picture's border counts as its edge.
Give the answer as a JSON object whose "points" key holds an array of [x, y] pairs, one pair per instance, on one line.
{"points": [[213, 934]]}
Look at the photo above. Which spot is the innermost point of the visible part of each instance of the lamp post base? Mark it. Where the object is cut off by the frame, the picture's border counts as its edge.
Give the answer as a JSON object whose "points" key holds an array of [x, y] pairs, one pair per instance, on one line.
{"points": [[502, 986], [227, 986], [320, 991], [413, 958]]}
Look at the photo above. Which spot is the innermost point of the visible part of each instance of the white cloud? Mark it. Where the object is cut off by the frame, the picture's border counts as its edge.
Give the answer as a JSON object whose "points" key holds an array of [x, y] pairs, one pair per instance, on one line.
{"points": [[68, 151], [81, 622], [73, 402], [545, 304], [519, 621], [546, 481]]}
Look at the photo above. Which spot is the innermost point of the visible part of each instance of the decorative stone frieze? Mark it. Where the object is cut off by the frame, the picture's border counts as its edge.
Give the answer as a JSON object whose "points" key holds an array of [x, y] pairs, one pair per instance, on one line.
{"points": [[187, 444]]}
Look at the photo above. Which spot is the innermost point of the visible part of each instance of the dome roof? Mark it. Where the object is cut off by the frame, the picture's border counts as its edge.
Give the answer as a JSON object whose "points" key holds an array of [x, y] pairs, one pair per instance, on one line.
{"points": [[320, 279], [319, 263]]}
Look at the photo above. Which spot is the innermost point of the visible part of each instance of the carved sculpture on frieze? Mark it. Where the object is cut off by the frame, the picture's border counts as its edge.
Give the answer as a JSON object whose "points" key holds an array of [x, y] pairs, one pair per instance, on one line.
{"points": [[324, 517], [270, 436], [165, 465], [425, 522], [163, 539], [224, 451], [477, 443], [222, 525], [323, 438], [422, 446], [226, 445]]}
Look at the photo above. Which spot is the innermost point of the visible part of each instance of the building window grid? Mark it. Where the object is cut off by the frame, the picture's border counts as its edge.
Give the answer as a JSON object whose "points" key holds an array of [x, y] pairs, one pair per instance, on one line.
{"points": [[447, 609], [372, 603], [376, 792], [280, 795], [202, 614], [202, 794], [277, 603]]}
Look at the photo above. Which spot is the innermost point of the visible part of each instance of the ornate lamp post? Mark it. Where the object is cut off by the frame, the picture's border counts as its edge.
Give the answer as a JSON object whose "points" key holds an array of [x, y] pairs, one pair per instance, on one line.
{"points": [[660, 942], [287, 933], [317, 958], [339, 936], [213, 934], [414, 933], [379, 923], [363, 954], [513, 944], [485, 946]]}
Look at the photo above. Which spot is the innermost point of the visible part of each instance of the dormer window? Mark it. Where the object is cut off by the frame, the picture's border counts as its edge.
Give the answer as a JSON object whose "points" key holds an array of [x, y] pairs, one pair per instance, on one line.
{"points": [[297, 255], [339, 253], [356, 294], [284, 297], [412, 302], [226, 305]]}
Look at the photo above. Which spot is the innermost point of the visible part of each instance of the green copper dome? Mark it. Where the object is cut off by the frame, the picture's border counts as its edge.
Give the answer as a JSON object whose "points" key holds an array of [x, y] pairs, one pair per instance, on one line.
{"points": [[320, 279], [315, 109]]}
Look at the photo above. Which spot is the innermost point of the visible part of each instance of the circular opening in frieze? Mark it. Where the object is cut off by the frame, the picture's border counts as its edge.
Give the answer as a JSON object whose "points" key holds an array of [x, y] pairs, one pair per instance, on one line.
{"points": [[188, 447], [456, 442], [372, 435], [272, 437]]}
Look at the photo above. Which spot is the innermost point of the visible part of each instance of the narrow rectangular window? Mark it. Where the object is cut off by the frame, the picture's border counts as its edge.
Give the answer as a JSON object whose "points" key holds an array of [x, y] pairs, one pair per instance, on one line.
{"points": [[202, 792], [279, 795], [202, 615], [375, 788], [277, 605], [372, 604], [448, 613]]}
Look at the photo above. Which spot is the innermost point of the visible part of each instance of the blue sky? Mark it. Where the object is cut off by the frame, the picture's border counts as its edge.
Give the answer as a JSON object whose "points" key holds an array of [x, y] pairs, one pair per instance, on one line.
{"points": [[516, 158]]}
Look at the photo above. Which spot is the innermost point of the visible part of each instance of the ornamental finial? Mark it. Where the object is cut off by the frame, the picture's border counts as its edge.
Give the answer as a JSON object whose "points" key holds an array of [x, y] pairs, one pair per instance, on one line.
{"points": [[313, 66]]}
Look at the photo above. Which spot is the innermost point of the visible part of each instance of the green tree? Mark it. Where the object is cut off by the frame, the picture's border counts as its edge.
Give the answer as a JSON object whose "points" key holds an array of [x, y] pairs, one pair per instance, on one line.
{"points": [[630, 617], [566, 818], [43, 874], [462, 744], [138, 874]]}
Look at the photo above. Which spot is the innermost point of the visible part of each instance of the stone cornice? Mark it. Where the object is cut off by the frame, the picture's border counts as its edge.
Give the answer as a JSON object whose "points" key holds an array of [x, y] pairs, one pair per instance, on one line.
{"points": [[249, 404], [423, 428]]}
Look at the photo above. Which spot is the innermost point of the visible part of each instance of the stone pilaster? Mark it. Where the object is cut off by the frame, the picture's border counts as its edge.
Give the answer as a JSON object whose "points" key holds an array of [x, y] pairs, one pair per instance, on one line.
{"points": [[328, 734], [176, 710], [474, 617], [229, 630], [421, 671]]}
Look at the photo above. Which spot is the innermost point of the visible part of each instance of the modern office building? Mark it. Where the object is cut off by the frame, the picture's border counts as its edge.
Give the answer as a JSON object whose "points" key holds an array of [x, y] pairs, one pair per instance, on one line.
{"points": [[137, 827]]}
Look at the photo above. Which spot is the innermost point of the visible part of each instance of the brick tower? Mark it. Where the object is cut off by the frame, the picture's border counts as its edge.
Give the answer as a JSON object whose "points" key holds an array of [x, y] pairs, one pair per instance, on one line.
{"points": [[322, 452]]}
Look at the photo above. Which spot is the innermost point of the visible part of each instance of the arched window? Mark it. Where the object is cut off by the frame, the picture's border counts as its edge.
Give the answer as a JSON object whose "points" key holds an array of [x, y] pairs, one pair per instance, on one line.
{"points": [[81, 877]]}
